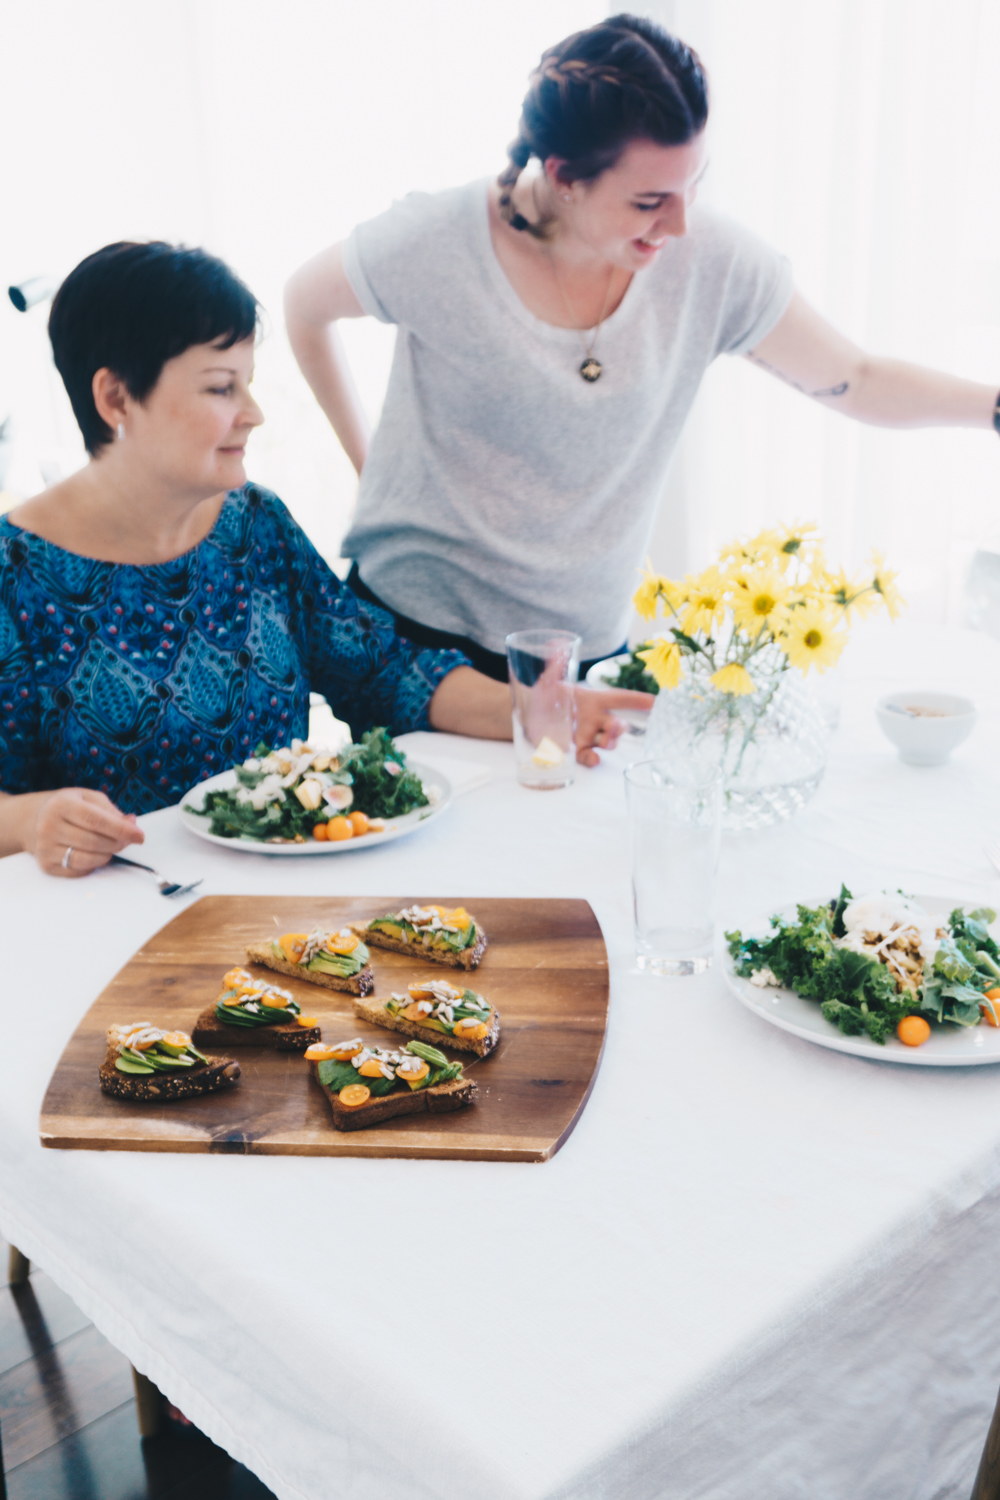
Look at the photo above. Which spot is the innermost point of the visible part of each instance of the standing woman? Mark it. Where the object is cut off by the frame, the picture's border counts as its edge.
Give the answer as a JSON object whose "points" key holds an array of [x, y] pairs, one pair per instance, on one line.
{"points": [[553, 332]]}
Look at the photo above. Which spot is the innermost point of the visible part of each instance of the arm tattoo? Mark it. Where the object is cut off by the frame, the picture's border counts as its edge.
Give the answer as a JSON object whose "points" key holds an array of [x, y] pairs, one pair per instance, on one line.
{"points": [[830, 390]]}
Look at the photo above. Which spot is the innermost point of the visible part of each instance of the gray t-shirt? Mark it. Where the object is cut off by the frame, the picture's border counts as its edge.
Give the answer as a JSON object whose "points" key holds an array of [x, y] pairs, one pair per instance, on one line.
{"points": [[501, 491]]}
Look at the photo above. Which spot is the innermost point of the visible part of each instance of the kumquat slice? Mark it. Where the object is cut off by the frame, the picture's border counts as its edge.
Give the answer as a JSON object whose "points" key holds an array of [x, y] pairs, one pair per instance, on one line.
{"points": [[414, 1013], [342, 944], [320, 1052], [292, 945], [371, 1068], [353, 1094], [307, 1020], [471, 1031], [344, 1054], [416, 1075]]}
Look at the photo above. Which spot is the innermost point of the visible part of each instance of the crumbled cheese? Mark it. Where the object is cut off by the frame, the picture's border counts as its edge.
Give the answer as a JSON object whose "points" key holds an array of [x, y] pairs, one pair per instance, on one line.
{"points": [[763, 977], [888, 916]]}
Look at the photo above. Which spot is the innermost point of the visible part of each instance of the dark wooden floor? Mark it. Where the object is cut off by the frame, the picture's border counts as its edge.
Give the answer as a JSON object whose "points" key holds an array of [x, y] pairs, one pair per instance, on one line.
{"points": [[67, 1414]]}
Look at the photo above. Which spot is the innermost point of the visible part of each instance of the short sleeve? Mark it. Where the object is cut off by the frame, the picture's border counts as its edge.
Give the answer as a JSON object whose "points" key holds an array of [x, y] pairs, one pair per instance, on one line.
{"points": [[758, 286], [402, 259]]}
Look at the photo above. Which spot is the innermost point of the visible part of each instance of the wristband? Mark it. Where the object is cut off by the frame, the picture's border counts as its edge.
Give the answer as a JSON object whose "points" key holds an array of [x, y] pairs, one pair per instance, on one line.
{"points": [[996, 416]]}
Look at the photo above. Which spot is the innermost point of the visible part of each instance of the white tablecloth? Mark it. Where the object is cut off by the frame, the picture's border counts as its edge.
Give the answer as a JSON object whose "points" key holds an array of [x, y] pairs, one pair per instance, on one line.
{"points": [[757, 1268]]}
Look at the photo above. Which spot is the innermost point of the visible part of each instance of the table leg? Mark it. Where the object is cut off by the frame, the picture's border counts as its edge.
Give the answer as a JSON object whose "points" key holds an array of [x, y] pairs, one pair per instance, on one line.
{"points": [[18, 1267], [987, 1485], [148, 1404]]}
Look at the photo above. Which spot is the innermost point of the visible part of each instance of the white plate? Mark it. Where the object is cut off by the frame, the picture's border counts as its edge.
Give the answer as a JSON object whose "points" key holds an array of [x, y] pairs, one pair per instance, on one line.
{"points": [[946, 1047], [396, 828]]}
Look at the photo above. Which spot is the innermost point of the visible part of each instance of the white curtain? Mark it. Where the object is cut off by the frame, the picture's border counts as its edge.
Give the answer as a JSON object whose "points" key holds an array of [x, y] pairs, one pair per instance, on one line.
{"points": [[859, 136], [862, 138]]}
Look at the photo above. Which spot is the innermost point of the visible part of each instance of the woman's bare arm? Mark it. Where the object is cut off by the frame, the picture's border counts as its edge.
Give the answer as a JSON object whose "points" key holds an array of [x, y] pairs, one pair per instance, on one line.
{"points": [[805, 351], [468, 702], [316, 297]]}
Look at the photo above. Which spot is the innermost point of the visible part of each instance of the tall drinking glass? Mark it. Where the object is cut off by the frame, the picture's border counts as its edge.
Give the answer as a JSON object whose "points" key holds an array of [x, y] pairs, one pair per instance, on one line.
{"points": [[674, 824], [543, 670]]}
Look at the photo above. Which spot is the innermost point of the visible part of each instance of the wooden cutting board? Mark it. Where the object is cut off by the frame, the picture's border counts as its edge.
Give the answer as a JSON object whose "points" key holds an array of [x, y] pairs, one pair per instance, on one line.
{"points": [[546, 970]]}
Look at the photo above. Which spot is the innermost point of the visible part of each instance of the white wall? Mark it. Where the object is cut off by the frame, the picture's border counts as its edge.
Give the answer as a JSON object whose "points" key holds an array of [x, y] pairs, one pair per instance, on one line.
{"points": [[861, 137], [261, 131]]}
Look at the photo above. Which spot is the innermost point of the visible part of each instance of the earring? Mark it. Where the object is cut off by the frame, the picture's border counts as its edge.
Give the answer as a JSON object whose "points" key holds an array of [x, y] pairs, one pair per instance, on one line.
{"points": [[121, 432], [566, 197]]}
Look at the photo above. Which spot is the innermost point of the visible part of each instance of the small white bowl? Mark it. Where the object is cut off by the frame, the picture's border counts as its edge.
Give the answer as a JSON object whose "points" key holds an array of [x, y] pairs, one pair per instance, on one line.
{"points": [[926, 739]]}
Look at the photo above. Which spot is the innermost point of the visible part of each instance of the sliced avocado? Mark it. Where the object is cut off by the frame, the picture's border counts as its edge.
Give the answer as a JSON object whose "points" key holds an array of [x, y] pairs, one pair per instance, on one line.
{"points": [[391, 929], [343, 964], [125, 1066]]}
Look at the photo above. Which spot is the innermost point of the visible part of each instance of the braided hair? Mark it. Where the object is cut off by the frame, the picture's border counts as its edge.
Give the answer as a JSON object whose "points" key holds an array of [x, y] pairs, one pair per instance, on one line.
{"points": [[624, 79]]}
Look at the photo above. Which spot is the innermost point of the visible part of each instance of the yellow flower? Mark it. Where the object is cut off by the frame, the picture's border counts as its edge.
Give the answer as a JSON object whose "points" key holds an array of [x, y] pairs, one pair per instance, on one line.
{"points": [[884, 583], [705, 597], [647, 595], [756, 601], [733, 678], [851, 594], [663, 660], [653, 588], [809, 638]]}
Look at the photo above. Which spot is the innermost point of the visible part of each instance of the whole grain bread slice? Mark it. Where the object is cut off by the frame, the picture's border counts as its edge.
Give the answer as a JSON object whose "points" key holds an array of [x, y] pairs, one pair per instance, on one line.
{"points": [[361, 983], [375, 1012], [162, 1088], [441, 1099], [283, 1036], [467, 958]]}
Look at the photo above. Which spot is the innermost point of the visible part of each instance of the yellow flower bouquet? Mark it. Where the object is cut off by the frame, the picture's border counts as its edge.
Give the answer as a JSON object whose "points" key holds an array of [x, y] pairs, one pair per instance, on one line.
{"points": [[740, 638]]}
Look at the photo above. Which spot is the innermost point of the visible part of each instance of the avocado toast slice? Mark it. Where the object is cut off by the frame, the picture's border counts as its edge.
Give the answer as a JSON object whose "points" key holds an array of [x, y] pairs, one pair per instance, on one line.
{"points": [[336, 960], [147, 1064], [253, 1013], [442, 934], [366, 1085], [434, 1011]]}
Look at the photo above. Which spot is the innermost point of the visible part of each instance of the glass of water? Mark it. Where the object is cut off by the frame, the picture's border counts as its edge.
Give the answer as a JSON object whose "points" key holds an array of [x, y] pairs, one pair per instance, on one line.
{"points": [[543, 668], [674, 810]]}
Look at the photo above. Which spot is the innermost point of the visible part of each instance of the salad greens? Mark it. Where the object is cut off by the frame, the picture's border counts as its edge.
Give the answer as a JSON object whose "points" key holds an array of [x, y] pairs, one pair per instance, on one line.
{"points": [[858, 993], [635, 674], [282, 794], [383, 787]]}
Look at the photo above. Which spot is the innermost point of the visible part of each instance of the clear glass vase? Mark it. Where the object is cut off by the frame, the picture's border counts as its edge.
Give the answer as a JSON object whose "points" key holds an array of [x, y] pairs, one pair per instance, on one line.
{"points": [[771, 745]]}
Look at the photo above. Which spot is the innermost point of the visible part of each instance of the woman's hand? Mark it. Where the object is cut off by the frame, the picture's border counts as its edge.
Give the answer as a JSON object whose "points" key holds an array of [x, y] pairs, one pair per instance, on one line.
{"points": [[73, 818], [596, 724]]}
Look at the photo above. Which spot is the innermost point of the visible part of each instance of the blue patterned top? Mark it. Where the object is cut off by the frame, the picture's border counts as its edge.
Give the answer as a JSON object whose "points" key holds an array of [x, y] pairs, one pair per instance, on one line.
{"points": [[140, 681]]}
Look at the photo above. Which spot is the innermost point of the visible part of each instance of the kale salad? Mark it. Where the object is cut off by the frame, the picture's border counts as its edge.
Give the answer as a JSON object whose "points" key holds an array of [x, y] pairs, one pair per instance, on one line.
{"points": [[880, 964], [292, 794]]}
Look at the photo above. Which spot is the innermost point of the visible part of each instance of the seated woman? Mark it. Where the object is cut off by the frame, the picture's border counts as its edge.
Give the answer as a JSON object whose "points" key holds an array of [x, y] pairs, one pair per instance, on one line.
{"points": [[159, 616]]}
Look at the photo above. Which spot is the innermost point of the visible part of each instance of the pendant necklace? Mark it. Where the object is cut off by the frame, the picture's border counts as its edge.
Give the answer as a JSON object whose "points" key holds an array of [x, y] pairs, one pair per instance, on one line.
{"points": [[591, 368]]}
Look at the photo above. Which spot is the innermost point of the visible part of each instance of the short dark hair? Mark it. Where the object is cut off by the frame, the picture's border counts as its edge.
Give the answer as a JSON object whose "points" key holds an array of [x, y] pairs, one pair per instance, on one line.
{"points": [[623, 80], [131, 307]]}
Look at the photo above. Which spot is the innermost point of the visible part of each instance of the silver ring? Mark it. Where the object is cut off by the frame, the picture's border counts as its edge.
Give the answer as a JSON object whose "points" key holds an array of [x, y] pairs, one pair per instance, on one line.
{"points": [[66, 857]]}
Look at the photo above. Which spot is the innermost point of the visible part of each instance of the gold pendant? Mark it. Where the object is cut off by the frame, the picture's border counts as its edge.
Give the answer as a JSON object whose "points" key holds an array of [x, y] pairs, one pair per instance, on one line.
{"points": [[591, 369]]}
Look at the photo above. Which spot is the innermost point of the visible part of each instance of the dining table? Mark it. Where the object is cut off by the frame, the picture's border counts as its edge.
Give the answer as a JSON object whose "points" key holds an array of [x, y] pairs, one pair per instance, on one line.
{"points": [[756, 1267]]}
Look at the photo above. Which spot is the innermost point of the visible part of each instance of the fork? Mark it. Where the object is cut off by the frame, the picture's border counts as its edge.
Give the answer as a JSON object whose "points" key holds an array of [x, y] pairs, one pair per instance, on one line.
{"points": [[167, 887]]}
